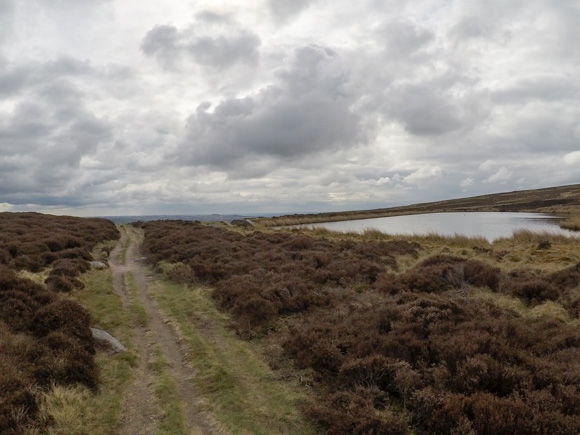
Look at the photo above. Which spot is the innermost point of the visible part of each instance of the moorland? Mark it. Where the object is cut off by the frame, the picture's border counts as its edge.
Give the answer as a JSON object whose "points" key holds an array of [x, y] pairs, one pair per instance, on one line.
{"points": [[292, 330], [561, 200]]}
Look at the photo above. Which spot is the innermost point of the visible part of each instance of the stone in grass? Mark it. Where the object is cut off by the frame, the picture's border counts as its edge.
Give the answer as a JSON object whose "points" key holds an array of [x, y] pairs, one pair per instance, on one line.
{"points": [[106, 340], [98, 265]]}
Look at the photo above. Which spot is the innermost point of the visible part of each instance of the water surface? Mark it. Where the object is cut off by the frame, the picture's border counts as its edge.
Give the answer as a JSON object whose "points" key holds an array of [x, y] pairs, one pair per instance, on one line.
{"points": [[490, 225]]}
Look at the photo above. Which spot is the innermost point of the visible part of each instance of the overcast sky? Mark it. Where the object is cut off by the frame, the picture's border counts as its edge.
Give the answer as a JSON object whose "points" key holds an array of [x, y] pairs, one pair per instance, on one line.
{"points": [[124, 107]]}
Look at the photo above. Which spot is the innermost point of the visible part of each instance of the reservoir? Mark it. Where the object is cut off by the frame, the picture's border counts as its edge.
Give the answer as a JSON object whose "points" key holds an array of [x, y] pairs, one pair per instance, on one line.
{"points": [[490, 225]]}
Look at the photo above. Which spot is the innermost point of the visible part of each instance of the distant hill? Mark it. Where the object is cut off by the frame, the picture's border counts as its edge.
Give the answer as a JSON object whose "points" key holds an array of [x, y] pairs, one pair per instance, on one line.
{"points": [[121, 220], [562, 200]]}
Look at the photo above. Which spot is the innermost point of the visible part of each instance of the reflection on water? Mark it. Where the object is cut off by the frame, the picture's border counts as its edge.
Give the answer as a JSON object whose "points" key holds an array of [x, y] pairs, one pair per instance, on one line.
{"points": [[491, 225]]}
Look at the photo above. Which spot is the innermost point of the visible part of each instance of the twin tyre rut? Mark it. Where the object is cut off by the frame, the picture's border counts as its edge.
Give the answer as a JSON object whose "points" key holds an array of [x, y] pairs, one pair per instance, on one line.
{"points": [[142, 413]]}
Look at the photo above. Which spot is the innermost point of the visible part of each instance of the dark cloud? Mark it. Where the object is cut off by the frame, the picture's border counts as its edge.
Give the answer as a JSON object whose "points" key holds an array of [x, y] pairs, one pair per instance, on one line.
{"points": [[47, 131], [212, 41], [308, 111]]}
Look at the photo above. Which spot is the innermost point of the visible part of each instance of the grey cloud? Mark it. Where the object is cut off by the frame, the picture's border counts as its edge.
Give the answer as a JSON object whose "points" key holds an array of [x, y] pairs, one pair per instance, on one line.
{"points": [[45, 135], [211, 41], [68, 66], [284, 10], [425, 110], [305, 113], [470, 27], [11, 82], [404, 38], [547, 88], [6, 12], [15, 77], [161, 41]]}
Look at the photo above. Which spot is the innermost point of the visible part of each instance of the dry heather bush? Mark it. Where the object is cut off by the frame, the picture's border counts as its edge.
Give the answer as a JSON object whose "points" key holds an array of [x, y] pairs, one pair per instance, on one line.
{"points": [[534, 291], [63, 315], [59, 284], [33, 241], [70, 267], [441, 273], [357, 413], [535, 287], [453, 363]]}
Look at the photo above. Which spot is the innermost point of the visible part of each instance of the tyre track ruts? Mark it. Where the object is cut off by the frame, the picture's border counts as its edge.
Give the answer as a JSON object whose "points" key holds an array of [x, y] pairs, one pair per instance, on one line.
{"points": [[142, 410]]}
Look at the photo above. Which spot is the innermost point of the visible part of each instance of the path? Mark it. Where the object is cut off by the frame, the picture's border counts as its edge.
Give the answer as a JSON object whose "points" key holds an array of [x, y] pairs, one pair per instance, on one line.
{"points": [[142, 412]]}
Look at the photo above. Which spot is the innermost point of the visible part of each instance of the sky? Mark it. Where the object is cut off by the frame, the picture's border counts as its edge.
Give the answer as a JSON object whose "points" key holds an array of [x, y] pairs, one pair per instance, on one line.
{"points": [[129, 107]]}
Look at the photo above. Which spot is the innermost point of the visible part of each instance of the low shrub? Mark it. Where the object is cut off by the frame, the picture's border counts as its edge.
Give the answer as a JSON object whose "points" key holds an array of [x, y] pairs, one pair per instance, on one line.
{"points": [[441, 273], [66, 316], [59, 284], [44, 341], [534, 291]]}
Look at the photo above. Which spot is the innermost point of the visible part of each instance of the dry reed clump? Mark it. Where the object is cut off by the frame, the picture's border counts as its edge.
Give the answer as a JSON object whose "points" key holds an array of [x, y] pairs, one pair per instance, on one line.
{"points": [[44, 341], [391, 352]]}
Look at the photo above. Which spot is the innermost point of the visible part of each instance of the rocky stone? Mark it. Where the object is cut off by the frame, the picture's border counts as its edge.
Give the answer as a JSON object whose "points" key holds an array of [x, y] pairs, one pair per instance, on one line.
{"points": [[106, 340], [98, 265]]}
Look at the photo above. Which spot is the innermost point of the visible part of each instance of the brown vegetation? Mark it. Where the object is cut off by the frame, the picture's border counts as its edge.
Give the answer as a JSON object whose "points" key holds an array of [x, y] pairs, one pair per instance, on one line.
{"points": [[390, 351], [44, 340]]}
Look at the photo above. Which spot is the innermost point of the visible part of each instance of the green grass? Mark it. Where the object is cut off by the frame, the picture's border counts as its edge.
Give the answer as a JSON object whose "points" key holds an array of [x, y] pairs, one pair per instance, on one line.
{"points": [[76, 410], [138, 311], [173, 420], [238, 388]]}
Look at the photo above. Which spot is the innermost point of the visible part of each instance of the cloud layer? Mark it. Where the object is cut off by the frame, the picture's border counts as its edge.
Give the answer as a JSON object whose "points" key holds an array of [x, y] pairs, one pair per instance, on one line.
{"points": [[120, 107]]}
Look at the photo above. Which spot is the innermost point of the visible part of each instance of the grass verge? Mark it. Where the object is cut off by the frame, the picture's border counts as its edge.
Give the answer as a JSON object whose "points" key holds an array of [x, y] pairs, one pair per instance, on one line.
{"points": [[237, 387], [173, 421], [76, 409]]}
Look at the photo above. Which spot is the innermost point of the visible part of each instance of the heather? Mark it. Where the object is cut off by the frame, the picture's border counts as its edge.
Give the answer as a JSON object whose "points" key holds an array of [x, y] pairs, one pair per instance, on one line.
{"points": [[46, 340], [392, 349]]}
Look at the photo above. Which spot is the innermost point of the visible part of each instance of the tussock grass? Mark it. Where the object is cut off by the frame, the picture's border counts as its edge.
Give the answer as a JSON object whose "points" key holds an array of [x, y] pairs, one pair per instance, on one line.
{"points": [[552, 310], [237, 387], [68, 405], [548, 309], [501, 300], [457, 240], [61, 405], [527, 236], [38, 277]]}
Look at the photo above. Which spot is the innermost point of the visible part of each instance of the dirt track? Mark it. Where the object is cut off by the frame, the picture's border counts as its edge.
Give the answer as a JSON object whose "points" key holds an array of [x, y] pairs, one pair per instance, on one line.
{"points": [[142, 412]]}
